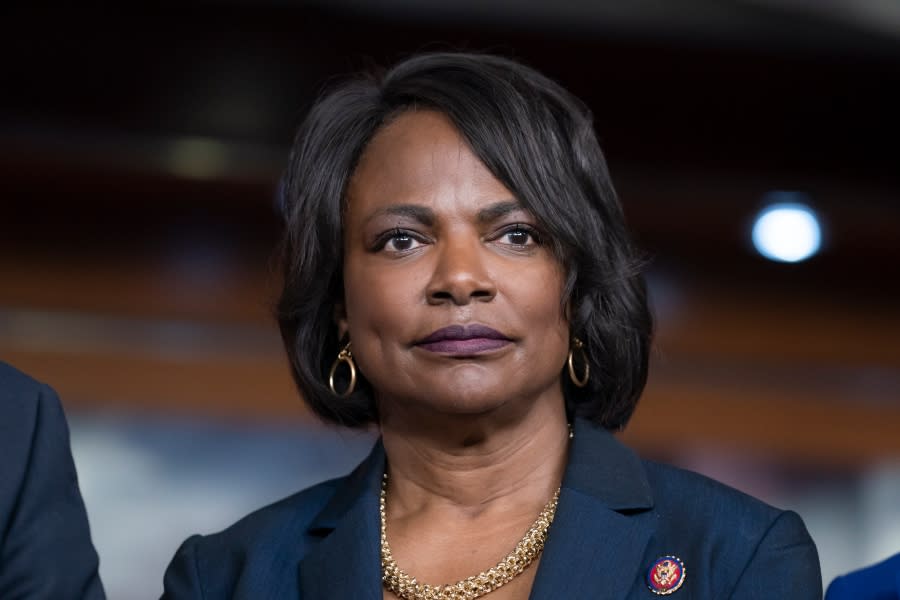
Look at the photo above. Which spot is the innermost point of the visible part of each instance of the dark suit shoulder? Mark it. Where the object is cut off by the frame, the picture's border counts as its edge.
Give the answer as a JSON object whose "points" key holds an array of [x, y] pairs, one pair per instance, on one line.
{"points": [[20, 402], [263, 546], [286, 522], [689, 501], [45, 544], [20, 397], [740, 544], [686, 495], [14, 379], [259, 556], [881, 580], [26, 405]]}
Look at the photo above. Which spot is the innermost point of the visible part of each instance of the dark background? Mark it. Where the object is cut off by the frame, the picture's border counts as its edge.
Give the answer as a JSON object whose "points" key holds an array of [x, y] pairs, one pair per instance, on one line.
{"points": [[140, 149]]}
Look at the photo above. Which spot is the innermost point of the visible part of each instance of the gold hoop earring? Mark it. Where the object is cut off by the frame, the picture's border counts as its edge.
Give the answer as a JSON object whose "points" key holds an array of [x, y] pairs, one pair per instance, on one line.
{"points": [[578, 345], [344, 356]]}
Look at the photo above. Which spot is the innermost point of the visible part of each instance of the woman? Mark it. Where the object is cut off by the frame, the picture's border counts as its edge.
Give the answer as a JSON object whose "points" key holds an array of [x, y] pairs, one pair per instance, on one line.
{"points": [[458, 272]]}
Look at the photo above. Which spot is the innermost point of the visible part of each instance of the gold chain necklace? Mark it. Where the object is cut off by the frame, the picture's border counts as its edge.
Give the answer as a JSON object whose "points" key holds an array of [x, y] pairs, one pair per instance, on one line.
{"points": [[407, 588]]}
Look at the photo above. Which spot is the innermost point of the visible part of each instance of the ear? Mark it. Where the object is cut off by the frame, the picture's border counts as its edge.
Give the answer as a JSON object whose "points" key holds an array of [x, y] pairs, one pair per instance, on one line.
{"points": [[340, 319]]}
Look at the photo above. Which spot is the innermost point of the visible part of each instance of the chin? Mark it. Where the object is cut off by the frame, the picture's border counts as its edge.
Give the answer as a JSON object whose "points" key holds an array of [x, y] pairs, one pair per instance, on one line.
{"points": [[462, 406], [467, 390], [457, 399], [471, 388]]}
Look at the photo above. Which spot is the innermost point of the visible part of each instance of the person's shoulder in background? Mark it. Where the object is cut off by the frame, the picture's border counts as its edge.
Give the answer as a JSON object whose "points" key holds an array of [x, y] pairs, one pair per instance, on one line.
{"points": [[880, 581], [732, 543], [45, 543]]}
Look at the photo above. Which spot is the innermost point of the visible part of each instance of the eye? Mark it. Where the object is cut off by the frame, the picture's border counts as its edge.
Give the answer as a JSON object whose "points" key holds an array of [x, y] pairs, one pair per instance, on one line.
{"points": [[519, 235], [397, 241], [401, 242]]}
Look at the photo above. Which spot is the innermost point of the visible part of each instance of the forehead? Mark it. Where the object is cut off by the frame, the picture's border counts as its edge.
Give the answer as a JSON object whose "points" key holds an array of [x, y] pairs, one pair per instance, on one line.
{"points": [[420, 157]]}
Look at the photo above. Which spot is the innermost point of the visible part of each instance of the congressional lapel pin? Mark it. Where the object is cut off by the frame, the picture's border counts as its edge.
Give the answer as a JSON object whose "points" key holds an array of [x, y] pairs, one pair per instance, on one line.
{"points": [[666, 575]]}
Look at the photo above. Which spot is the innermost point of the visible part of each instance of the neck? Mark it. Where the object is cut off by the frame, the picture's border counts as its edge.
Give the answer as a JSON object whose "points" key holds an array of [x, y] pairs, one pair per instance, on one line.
{"points": [[472, 463]]}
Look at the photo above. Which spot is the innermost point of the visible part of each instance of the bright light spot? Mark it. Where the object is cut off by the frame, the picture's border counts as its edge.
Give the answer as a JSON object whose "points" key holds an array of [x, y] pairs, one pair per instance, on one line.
{"points": [[787, 232]]}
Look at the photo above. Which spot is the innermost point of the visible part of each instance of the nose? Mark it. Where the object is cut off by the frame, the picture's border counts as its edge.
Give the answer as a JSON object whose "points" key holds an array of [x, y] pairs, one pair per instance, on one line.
{"points": [[460, 273]]}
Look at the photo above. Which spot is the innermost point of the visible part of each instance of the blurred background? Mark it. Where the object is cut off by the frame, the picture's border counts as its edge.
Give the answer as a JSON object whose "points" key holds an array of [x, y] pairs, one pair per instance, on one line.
{"points": [[753, 144]]}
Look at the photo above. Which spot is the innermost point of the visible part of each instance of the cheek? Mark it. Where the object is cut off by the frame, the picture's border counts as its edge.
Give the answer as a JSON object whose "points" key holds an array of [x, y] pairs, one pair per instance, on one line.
{"points": [[540, 307], [381, 309], [378, 301], [541, 297]]}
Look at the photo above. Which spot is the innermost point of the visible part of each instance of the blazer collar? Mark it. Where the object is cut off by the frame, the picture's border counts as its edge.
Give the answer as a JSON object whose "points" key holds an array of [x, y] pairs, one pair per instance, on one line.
{"points": [[594, 547], [347, 562], [596, 544], [601, 467]]}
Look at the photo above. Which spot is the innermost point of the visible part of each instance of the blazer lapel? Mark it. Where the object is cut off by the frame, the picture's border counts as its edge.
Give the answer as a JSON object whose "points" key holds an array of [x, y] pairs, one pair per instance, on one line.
{"points": [[347, 562], [603, 523]]}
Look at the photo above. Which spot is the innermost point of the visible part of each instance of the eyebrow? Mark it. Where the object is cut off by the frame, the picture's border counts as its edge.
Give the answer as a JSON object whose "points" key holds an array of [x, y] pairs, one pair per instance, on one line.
{"points": [[500, 209], [423, 215], [426, 216]]}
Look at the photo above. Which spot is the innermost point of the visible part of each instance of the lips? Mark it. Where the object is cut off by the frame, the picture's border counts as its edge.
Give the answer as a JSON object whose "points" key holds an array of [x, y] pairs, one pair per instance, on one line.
{"points": [[464, 340]]}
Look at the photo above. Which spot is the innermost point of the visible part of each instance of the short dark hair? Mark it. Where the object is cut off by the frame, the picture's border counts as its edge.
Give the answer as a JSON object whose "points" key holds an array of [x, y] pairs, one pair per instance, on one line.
{"points": [[539, 141]]}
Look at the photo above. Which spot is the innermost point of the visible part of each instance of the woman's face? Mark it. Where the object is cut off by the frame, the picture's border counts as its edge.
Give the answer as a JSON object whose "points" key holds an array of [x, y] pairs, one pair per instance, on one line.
{"points": [[452, 301]]}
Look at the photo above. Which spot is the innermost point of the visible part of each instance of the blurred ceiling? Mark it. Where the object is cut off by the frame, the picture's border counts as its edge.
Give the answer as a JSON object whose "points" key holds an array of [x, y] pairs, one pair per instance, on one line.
{"points": [[729, 21], [702, 106]]}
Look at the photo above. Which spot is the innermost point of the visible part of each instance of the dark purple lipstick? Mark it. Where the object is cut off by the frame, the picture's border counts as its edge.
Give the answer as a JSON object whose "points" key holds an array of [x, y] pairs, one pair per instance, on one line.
{"points": [[464, 340]]}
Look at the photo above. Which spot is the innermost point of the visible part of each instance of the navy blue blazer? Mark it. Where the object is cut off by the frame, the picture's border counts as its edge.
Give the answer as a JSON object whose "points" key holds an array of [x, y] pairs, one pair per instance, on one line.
{"points": [[45, 543], [877, 582], [617, 514]]}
